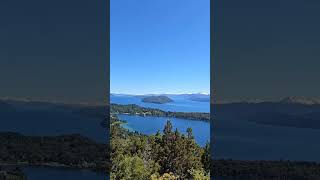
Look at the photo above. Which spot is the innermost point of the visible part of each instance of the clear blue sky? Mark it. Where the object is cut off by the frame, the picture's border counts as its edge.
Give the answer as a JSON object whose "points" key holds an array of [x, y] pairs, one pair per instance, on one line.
{"points": [[53, 50], [160, 46], [266, 49]]}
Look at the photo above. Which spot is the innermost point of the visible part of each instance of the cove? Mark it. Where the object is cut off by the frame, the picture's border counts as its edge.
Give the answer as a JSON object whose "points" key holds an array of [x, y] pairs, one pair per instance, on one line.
{"points": [[179, 104], [150, 125]]}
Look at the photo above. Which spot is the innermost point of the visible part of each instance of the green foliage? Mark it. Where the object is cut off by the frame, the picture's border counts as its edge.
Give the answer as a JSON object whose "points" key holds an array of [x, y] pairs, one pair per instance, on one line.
{"points": [[166, 155], [133, 168], [68, 150], [157, 99], [134, 109], [165, 176], [206, 158], [199, 174], [11, 173]]}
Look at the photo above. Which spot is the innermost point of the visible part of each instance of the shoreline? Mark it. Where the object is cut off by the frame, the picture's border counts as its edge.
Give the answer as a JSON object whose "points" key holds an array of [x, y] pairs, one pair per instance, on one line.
{"points": [[134, 109], [123, 124], [68, 151], [52, 165]]}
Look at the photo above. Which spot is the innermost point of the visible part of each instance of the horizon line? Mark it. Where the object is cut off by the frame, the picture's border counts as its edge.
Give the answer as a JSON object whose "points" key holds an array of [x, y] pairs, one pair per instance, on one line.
{"points": [[204, 93]]}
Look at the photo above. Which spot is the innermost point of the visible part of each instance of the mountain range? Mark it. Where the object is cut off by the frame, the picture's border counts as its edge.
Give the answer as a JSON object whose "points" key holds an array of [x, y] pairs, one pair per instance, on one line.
{"points": [[288, 112], [201, 97], [296, 112]]}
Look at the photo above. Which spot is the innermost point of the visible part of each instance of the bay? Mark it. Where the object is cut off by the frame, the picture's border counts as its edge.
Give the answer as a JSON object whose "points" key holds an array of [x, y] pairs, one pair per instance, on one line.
{"points": [[150, 125], [243, 140], [34, 120], [180, 104], [48, 119]]}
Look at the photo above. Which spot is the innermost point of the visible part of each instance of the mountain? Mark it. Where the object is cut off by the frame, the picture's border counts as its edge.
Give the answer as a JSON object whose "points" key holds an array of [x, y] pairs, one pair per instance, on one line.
{"points": [[157, 99], [200, 97], [287, 100], [49, 118], [299, 100], [288, 112]]}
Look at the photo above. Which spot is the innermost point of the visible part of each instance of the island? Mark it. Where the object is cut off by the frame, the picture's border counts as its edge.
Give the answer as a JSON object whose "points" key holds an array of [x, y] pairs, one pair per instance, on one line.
{"points": [[157, 99]]}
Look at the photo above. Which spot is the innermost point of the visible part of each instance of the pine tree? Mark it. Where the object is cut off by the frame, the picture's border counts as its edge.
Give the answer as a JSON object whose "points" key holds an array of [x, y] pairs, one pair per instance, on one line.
{"points": [[166, 154], [205, 159]]}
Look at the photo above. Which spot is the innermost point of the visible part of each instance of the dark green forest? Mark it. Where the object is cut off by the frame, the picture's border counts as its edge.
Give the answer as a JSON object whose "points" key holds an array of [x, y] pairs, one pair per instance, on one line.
{"points": [[73, 151], [165, 155], [134, 109], [11, 173], [157, 99]]}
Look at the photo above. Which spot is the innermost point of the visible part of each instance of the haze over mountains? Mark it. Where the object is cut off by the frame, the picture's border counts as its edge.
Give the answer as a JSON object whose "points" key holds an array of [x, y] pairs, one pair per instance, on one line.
{"points": [[286, 100], [201, 97], [298, 112], [205, 97], [51, 118]]}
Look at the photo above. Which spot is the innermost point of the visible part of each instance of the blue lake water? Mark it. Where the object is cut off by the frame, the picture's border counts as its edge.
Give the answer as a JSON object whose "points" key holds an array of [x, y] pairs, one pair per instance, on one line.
{"points": [[49, 121], [52, 122], [180, 104], [240, 139], [44, 173], [150, 125]]}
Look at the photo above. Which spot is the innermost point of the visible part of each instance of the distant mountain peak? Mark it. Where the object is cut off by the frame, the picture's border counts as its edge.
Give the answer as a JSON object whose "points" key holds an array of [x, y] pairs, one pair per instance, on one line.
{"points": [[299, 100]]}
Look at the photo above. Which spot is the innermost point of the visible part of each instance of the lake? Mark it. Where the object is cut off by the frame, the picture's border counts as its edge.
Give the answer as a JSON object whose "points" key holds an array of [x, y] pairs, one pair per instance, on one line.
{"points": [[243, 140], [237, 138], [49, 120], [41, 173], [180, 104], [150, 125]]}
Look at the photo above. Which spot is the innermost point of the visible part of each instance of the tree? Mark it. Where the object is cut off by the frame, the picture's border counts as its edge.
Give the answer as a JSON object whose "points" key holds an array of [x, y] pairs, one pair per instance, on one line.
{"points": [[167, 128], [199, 174], [166, 153], [189, 133], [206, 158], [165, 176], [131, 168]]}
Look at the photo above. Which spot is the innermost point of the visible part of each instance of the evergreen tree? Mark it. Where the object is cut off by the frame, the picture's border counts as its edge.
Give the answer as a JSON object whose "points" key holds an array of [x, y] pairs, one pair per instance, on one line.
{"points": [[160, 156], [206, 158]]}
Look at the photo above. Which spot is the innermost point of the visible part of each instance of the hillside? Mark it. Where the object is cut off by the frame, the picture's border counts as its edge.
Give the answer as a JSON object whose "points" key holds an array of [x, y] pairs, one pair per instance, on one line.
{"points": [[288, 112], [157, 99]]}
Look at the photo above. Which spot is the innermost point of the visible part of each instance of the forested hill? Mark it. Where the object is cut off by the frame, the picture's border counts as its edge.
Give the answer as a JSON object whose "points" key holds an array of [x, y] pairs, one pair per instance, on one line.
{"points": [[157, 99], [66, 150], [134, 109], [11, 173]]}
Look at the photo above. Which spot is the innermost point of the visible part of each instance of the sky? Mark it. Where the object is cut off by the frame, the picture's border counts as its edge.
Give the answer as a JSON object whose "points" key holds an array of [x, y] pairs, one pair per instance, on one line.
{"points": [[266, 49], [53, 50], [159, 46]]}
